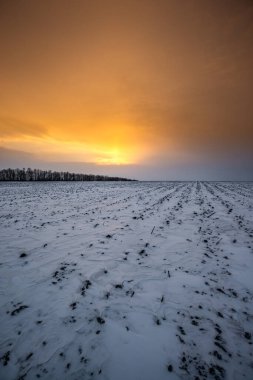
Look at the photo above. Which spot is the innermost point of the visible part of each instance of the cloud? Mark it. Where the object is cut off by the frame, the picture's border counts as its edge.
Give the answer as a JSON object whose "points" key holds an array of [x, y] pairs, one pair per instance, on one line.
{"points": [[164, 83], [233, 168], [15, 158], [11, 128], [196, 123]]}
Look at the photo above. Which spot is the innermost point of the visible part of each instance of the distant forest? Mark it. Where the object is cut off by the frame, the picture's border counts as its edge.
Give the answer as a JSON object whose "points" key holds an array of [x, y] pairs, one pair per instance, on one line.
{"points": [[48, 175]]}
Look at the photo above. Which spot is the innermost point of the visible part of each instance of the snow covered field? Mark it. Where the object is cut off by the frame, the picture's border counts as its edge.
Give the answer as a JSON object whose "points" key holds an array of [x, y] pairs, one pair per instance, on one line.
{"points": [[126, 281]]}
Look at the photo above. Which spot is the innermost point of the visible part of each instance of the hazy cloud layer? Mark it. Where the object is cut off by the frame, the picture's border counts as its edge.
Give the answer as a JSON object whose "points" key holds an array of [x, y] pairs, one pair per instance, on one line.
{"points": [[10, 127], [235, 168], [162, 82]]}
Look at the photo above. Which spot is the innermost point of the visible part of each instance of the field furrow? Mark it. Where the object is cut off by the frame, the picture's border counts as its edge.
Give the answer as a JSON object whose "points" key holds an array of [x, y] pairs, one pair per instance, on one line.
{"points": [[140, 281]]}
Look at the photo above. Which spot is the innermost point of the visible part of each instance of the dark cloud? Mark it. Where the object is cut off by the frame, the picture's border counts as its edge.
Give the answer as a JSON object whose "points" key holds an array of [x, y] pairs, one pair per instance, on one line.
{"points": [[10, 158]]}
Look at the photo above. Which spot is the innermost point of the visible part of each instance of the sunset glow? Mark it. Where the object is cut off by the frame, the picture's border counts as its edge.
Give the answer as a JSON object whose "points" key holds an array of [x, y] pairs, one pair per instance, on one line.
{"points": [[164, 86], [114, 156]]}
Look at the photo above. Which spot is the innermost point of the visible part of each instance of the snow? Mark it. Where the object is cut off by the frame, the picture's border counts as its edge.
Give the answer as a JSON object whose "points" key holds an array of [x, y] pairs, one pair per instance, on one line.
{"points": [[133, 280]]}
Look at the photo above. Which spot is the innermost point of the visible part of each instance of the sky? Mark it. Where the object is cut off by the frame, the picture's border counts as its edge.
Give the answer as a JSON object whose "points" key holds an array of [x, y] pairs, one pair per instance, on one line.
{"points": [[148, 89]]}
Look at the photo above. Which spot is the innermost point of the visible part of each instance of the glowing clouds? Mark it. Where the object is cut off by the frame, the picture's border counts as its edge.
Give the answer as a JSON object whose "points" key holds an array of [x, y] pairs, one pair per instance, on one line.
{"points": [[120, 83]]}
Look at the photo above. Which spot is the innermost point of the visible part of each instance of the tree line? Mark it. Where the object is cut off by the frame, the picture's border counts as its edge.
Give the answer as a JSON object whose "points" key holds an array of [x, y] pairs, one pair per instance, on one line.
{"points": [[48, 175]]}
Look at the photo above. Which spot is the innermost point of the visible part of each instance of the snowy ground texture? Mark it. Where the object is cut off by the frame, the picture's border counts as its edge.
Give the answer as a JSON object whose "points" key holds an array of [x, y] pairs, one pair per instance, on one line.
{"points": [[126, 281]]}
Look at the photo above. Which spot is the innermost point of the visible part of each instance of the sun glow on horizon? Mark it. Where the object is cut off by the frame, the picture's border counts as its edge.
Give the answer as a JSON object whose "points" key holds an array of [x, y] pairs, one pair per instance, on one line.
{"points": [[114, 156], [55, 150]]}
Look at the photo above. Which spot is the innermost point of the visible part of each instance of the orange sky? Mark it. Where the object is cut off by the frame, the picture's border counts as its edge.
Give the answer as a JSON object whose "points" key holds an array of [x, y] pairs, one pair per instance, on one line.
{"points": [[127, 82]]}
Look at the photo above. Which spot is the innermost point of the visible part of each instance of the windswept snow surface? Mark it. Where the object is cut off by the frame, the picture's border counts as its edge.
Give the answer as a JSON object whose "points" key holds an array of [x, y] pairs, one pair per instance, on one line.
{"points": [[126, 281]]}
